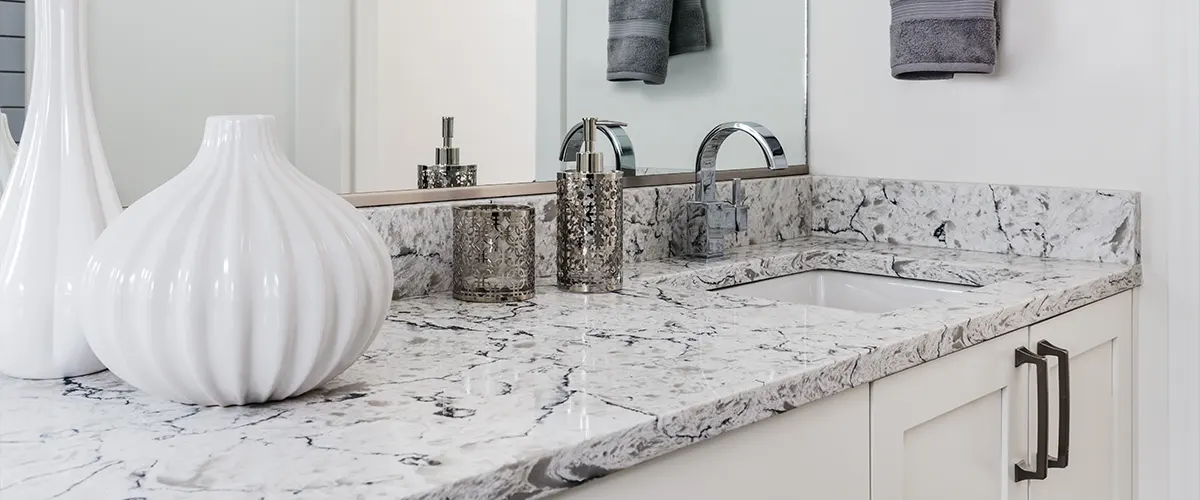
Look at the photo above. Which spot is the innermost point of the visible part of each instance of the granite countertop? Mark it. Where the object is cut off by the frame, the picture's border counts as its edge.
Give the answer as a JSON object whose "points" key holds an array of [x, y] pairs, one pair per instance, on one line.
{"points": [[471, 401]]}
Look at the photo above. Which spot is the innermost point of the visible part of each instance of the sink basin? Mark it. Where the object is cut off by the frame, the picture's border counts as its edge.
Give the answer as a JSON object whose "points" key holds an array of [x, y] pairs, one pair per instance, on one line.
{"points": [[849, 291]]}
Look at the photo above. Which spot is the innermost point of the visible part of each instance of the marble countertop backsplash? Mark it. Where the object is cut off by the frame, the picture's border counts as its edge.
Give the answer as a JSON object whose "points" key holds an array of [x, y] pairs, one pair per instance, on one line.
{"points": [[1060, 223], [519, 401], [420, 236], [1057, 223]]}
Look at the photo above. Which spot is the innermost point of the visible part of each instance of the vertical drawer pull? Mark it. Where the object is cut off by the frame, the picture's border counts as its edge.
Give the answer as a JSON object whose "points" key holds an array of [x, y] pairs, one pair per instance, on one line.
{"points": [[1045, 348], [1042, 458]]}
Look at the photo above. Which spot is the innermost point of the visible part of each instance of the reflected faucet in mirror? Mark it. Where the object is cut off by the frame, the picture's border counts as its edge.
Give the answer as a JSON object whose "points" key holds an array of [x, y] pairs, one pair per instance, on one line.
{"points": [[615, 132], [709, 221]]}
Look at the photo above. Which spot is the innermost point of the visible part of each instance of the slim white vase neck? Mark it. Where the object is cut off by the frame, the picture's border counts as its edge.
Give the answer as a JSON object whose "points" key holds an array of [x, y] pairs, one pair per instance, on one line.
{"points": [[60, 198], [238, 142], [60, 99]]}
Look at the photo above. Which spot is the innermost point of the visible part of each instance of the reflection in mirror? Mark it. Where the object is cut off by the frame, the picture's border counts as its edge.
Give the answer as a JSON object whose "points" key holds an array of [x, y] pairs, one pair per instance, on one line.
{"points": [[624, 156], [752, 70], [159, 69], [360, 88], [448, 171]]}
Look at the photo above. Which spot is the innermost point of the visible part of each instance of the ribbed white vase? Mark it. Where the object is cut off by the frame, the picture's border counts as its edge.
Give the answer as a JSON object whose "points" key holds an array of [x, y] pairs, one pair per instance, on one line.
{"points": [[60, 198], [238, 281], [8, 151]]}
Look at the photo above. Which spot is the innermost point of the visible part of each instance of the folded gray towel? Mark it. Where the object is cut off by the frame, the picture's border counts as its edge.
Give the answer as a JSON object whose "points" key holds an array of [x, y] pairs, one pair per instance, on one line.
{"points": [[934, 39], [643, 34]]}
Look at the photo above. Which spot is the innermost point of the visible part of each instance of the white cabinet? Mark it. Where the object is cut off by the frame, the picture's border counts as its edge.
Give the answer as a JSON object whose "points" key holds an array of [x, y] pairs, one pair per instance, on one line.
{"points": [[819, 450], [951, 429], [1098, 338], [955, 427]]}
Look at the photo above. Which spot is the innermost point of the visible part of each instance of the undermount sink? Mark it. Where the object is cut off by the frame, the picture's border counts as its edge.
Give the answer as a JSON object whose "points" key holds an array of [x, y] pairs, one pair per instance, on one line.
{"points": [[849, 291]]}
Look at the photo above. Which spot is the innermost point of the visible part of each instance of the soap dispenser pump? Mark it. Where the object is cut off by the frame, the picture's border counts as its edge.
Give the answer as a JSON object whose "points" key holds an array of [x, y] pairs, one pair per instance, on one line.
{"points": [[446, 172], [590, 221]]}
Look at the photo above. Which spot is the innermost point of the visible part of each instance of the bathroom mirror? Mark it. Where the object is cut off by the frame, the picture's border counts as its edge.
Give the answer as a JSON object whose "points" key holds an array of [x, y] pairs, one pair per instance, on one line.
{"points": [[359, 87]]}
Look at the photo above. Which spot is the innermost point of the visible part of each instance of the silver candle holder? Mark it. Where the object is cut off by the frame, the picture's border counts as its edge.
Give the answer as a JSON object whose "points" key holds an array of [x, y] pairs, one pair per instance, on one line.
{"points": [[494, 253]]}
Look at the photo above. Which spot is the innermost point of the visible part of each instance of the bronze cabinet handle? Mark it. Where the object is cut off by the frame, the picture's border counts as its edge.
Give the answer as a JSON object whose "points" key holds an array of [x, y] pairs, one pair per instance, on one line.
{"points": [[1045, 348], [1042, 459]]}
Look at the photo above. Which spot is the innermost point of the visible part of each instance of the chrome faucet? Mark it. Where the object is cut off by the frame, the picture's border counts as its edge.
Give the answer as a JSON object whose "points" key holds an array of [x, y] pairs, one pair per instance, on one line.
{"points": [[709, 221], [615, 132]]}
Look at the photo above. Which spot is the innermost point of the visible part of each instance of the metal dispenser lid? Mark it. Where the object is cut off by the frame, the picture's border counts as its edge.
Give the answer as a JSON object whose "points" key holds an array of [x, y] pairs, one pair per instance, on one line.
{"points": [[447, 154], [589, 160]]}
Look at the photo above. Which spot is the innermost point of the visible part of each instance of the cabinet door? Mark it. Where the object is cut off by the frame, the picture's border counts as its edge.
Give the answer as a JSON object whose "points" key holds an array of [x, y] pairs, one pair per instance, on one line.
{"points": [[953, 428], [1098, 339], [819, 450]]}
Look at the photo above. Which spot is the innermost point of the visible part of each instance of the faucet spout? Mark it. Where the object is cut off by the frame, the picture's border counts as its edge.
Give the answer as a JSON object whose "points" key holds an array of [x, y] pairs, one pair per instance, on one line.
{"points": [[706, 159], [709, 221]]}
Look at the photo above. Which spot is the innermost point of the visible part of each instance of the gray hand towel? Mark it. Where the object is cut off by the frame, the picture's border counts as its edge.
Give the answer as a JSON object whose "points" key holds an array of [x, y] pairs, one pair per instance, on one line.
{"points": [[643, 34], [935, 39], [689, 29]]}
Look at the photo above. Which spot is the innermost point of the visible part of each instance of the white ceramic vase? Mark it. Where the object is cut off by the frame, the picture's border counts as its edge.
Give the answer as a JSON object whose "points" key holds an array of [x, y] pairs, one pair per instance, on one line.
{"points": [[8, 151], [60, 197], [238, 281]]}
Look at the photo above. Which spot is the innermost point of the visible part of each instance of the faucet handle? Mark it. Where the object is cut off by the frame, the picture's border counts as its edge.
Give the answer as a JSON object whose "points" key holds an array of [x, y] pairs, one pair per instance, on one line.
{"points": [[741, 216]]}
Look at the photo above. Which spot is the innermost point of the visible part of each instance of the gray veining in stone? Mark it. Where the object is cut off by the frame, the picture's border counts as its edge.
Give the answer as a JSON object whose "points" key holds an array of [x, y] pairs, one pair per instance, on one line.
{"points": [[1075, 224], [1060, 223], [419, 236], [518, 401]]}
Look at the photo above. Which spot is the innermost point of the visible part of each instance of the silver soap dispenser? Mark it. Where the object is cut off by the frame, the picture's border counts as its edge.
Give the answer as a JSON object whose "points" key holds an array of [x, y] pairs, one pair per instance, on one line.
{"points": [[590, 222], [446, 172]]}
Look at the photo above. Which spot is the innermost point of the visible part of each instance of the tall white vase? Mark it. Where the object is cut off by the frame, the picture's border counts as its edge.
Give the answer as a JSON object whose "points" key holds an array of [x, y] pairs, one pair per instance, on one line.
{"points": [[8, 151], [239, 281], [60, 199]]}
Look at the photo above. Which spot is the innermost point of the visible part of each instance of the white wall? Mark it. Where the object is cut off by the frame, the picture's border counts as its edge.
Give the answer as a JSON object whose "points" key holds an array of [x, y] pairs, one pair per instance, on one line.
{"points": [[1183, 195], [419, 61], [160, 68], [1077, 102], [753, 71]]}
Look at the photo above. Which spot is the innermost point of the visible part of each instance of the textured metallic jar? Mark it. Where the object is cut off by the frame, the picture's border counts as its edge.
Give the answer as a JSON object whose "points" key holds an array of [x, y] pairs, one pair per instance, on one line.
{"points": [[590, 223], [493, 253], [446, 172]]}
